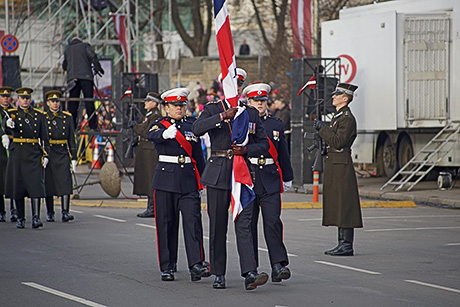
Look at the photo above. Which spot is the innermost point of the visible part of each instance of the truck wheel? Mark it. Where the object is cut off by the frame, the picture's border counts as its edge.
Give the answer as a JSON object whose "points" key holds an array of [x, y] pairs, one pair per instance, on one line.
{"points": [[390, 163], [405, 151]]}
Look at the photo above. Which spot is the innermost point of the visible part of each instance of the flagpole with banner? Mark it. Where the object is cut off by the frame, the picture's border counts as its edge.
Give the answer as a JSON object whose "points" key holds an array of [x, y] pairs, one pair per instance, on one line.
{"points": [[242, 193]]}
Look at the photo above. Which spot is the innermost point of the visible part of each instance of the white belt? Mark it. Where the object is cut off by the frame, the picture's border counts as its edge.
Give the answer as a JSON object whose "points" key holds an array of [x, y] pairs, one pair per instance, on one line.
{"points": [[261, 161], [174, 159]]}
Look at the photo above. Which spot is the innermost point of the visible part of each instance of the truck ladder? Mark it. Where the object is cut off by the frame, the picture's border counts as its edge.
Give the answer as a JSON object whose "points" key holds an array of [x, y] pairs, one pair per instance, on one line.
{"points": [[426, 159]]}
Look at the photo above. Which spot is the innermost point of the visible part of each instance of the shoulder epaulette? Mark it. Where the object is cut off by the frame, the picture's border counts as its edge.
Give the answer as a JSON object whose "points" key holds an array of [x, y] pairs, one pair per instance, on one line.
{"points": [[67, 113], [35, 109], [12, 110], [212, 102]]}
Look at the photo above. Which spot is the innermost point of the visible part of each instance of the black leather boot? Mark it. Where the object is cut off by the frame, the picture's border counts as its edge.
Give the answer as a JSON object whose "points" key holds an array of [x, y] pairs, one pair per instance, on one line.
{"points": [[219, 282], [13, 212], [254, 279], [21, 213], [150, 211], [49, 208], [197, 271], [65, 205], [340, 240], [346, 248], [36, 222], [280, 272]]}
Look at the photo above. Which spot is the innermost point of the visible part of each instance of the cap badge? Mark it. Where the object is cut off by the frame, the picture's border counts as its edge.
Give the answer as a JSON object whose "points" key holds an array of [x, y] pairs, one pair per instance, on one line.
{"points": [[259, 92]]}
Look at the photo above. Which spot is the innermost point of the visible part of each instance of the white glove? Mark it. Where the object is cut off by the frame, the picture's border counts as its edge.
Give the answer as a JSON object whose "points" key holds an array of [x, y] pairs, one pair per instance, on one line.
{"points": [[5, 141], [74, 165], [10, 123], [170, 133], [287, 185], [45, 162]]}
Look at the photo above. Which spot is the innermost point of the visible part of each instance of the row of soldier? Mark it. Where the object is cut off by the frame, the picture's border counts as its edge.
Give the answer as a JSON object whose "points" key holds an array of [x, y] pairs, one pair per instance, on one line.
{"points": [[36, 145]]}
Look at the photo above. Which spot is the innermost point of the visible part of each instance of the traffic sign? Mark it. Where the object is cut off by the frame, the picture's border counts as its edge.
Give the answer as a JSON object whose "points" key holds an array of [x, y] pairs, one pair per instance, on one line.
{"points": [[9, 43]]}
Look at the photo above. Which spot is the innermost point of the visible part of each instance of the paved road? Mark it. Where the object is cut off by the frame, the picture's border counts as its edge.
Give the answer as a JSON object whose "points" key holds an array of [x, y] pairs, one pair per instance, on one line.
{"points": [[107, 257]]}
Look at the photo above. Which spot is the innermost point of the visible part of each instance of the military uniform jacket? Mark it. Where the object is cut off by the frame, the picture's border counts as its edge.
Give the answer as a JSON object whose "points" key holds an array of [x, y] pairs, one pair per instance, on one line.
{"points": [[218, 170], [3, 152], [341, 205], [176, 177], [58, 179], [146, 156], [267, 176], [25, 174]]}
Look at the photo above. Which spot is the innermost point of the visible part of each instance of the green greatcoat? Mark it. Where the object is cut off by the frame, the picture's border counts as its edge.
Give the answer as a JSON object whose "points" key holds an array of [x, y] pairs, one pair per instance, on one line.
{"points": [[341, 205]]}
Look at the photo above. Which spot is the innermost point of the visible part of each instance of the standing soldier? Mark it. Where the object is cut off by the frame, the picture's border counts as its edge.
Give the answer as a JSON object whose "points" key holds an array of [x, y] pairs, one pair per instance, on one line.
{"points": [[5, 104], [146, 156], [176, 186], [27, 156], [273, 171], [58, 179], [341, 205], [217, 176]]}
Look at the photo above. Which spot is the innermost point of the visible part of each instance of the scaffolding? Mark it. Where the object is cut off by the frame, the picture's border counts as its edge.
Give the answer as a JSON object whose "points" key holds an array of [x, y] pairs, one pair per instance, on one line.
{"points": [[43, 29]]}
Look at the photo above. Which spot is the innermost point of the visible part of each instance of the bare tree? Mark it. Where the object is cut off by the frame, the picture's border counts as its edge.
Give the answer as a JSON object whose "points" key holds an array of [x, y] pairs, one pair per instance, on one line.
{"points": [[199, 41]]}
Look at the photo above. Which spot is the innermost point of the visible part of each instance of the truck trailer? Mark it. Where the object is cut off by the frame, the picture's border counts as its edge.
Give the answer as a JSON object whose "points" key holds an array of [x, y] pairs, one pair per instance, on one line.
{"points": [[405, 57]]}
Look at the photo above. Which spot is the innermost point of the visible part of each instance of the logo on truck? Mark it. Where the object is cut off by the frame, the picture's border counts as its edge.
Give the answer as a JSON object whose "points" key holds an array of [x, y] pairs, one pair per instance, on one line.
{"points": [[347, 68]]}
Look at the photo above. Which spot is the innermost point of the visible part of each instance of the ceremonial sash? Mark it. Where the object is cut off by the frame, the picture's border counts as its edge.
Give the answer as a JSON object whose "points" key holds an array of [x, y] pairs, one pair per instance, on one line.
{"points": [[180, 138], [274, 153]]}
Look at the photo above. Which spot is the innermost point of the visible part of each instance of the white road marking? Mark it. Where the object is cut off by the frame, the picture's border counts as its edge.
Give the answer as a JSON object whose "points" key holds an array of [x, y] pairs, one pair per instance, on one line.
{"points": [[110, 218], [76, 211], [391, 217], [453, 244], [147, 226], [62, 294], [348, 267], [266, 250], [415, 228], [433, 286]]}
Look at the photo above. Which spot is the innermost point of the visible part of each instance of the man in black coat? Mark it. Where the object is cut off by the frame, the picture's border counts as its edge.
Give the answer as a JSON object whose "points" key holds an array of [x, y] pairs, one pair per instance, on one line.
{"points": [[78, 60], [62, 155], [28, 156], [5, 104], [273, 172], [176, 186], [217, 175]]}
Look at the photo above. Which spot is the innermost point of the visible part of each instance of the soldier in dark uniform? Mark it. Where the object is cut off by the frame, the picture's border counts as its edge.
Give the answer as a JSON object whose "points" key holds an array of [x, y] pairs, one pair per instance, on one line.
{"points": [[176, 186], [341, 206], [217, 176], [5, 104], [28, 156], [62, 155], [273, 172], [146, 156]]}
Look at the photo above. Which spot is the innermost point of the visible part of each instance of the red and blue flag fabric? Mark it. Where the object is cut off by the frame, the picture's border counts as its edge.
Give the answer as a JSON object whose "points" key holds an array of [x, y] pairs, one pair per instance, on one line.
{"points": [[242, 193]]}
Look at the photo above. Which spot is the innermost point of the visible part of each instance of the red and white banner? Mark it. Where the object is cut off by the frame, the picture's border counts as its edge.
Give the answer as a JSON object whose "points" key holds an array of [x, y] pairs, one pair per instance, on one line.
{"points": [[120, 29], [301, 27], [226, 52]]}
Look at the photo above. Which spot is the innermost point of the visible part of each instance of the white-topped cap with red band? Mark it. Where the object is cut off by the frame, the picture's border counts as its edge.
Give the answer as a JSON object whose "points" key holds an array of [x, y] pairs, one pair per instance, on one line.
{"points": [[257, 91], [177, 96], [240, 74]]}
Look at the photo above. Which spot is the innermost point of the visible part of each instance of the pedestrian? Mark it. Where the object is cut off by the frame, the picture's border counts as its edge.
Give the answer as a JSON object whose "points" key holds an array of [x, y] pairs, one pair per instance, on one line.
{"points": [[217, 175], [62, 156], [146, 155], [176, 186], [283, 112], [5, 105], [273, 174], [28, 156], [244, 48], [341, 206], [79, 61]]}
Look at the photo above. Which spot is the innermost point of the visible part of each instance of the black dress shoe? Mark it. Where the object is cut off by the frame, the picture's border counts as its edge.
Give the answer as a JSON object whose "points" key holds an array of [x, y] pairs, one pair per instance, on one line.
{"points": [[36, 223], [280, 272], [146, 213], [50, 217], [344, 249], [219, 282], [66, 216], [13, 216], [254, 279], [21, 223], [167, 276], [2, 217], [197, 271]]}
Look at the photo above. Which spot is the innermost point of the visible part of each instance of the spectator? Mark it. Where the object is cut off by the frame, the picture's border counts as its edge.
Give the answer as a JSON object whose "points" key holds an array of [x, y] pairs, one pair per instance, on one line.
{"points": [[284, 113], [244, 48]]}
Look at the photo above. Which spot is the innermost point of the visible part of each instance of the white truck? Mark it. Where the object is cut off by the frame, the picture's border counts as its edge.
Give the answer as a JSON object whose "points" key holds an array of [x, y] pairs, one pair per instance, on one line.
{"points": [[405, 57]]}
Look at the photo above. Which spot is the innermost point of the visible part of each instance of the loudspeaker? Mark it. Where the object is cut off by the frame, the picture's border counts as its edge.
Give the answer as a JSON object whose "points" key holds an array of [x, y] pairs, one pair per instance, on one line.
{"points": [[11, 71]]}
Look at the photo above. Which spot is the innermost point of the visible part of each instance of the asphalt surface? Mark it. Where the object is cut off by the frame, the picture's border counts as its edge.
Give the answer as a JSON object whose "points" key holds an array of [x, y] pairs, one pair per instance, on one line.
{"points": [[406, 255]]}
